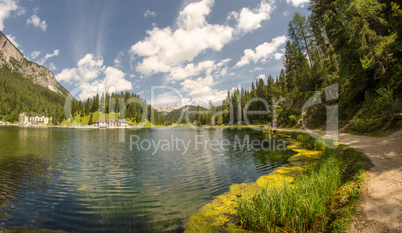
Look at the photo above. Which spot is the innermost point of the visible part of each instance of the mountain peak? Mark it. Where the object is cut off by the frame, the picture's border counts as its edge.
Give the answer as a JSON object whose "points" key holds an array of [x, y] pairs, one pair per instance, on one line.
{"points": [[167, 108], [11, 57]]}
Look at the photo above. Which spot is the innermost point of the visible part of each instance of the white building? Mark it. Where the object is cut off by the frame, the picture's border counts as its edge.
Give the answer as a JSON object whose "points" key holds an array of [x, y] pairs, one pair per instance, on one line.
{"points": [[111, 123], [26, 118]]}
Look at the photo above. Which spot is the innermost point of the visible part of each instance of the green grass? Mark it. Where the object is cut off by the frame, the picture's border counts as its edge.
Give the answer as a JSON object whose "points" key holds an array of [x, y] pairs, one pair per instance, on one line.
{"points": [[362, 125], [96, 116], [309, 142], [382, 127], [319, 200], [85, 119]]}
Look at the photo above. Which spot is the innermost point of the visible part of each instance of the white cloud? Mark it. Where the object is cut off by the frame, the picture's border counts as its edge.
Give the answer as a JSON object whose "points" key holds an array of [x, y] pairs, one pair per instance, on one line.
{"points": [[13, 40], [35, 54], [249, 20], [194, 91], [207, 67], [278, 56], [165, 48], [200, 90], [193, 15], [172, 50], [119, 59], [149, 13], [21, 11], [262, 52], [179, 73], [6, 7], [89, 67], [47, 56], [36, 21], [285, 13], [93, 77], [200, 94], [297, 3], [190, 85], [261, 76], [52, 66], [115, 80], [167, 98], [67, 75]]}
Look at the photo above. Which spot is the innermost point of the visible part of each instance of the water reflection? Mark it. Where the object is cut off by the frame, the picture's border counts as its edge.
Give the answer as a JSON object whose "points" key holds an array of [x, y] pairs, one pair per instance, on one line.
{"points": [[86, 181], [22, 178]]}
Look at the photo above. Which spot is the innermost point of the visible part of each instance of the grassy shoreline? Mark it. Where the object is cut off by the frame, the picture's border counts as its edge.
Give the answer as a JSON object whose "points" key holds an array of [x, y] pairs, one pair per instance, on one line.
{"points": [[302, 196], [221, 214]]}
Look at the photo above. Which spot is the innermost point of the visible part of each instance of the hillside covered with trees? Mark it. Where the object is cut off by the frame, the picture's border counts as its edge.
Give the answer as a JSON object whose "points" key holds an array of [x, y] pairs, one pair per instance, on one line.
{"points": [[356, 44], [124, 105], [19, 94]]}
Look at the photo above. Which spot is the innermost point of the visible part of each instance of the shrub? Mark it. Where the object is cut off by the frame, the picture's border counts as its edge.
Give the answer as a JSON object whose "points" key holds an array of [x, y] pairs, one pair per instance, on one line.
{"points": [[309, 142], [363, 125], [300, 207], [385, 101], [293, 119], [313, 203], [241, 123]]}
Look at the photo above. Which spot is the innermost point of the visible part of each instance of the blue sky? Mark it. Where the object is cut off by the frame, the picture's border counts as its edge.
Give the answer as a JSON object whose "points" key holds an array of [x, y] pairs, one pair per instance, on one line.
{"points": [[168, 52]]}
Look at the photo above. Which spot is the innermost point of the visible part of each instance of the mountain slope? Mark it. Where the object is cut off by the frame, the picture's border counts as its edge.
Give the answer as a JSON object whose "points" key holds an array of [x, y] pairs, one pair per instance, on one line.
{"points": [[18, 94], [11, 57], [27, 87], [174, 116]]}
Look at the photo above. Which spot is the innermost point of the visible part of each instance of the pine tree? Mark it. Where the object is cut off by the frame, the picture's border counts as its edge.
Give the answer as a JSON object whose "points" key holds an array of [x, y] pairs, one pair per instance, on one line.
{"points": [[95, 103], [212, 112], [90, 122], [299, 32]]}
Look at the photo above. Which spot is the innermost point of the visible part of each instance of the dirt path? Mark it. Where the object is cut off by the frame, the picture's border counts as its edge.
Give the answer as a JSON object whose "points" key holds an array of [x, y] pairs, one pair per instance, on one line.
{"points": [[380, 208]]}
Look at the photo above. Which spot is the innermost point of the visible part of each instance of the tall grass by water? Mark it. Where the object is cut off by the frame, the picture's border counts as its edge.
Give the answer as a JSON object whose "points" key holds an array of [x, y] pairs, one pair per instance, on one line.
{"points": [[311, 203]]}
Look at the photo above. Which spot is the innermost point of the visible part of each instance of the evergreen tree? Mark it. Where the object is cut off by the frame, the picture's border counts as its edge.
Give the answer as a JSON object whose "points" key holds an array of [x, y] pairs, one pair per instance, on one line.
{"points": [[87, 107], [19, 94], [90, 122], [212, 112], [95, 103]]}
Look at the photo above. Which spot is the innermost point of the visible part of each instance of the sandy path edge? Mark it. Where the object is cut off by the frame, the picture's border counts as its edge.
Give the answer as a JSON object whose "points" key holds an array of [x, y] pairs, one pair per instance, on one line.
{"points": [[380, 207]]}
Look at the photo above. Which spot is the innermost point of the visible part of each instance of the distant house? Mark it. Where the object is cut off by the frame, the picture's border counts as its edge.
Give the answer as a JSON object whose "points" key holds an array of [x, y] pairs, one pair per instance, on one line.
{"points": [[2, 123], [27, 118], [111, 123]]}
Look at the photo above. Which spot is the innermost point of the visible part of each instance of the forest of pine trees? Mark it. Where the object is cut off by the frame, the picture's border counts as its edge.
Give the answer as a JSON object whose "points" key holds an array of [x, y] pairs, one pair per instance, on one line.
{"points": [[356, 44], [124, 105], [18, 94]]}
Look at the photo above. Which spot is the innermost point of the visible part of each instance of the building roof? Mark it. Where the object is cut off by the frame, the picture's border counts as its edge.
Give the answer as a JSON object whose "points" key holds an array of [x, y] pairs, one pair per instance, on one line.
{"points": [[111, 121], [33, 114]]}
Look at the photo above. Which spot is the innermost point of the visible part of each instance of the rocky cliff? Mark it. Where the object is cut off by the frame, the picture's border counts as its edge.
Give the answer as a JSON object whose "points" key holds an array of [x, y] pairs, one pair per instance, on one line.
{"points": [[10, 56], [168, 108]]}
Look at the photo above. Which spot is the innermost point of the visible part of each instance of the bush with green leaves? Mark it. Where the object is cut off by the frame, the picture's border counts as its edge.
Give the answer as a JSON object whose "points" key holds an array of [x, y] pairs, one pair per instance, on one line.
{"points": [[363, 125], [308, 204], [384, 100], [293, 119]]}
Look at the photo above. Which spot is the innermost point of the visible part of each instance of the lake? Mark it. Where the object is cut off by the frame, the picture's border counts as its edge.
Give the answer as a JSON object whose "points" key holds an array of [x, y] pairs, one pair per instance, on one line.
{"points": [[145, 180]]}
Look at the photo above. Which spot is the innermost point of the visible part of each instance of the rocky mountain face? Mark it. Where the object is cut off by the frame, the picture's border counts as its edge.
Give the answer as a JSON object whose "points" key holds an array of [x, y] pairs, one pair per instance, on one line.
{"points": [[11, 57], [167, 108]]}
